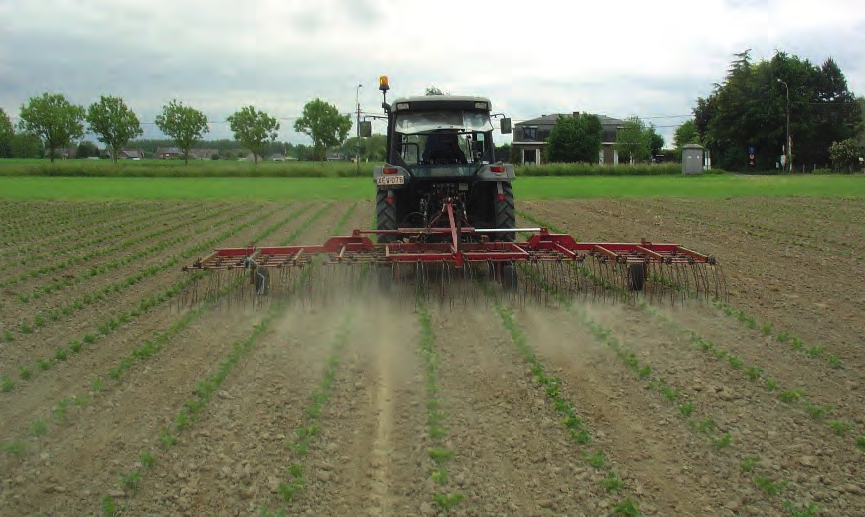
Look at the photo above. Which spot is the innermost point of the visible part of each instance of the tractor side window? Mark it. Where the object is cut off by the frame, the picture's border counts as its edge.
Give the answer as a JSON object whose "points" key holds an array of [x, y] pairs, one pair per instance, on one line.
{"points": [[411, 147]]}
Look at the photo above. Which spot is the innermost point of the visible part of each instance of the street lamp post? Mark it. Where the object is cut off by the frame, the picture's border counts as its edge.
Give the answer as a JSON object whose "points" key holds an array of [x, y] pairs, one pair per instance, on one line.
{"points": [[787, 164], [357, 102]]}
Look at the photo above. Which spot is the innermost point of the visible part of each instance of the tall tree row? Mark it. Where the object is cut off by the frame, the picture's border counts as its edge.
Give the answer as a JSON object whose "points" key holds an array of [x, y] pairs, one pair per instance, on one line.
{"points": [[749, 109]]}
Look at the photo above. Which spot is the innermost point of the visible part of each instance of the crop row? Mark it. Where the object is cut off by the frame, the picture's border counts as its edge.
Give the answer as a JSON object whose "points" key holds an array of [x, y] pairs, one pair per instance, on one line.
{"points": [[151, 347], [120, 227], [687, 408], [109, 250], [40, 320], [50, 221], [151, 303], [192, 409], [93, 271], [758, 373], [570, 419]]}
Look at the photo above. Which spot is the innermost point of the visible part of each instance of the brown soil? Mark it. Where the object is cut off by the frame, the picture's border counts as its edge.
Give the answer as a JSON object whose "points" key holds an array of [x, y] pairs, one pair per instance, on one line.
{"points": [[370, 455]]}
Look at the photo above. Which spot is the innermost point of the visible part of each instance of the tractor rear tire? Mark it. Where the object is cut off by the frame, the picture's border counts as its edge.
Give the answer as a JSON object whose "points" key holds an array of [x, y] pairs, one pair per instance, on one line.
{"points": [[636, 277], [385, 216], [505, 212]]}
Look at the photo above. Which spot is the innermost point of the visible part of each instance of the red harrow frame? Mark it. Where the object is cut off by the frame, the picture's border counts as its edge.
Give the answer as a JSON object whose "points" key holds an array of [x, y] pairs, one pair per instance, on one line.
{"points": [[552, 262]]}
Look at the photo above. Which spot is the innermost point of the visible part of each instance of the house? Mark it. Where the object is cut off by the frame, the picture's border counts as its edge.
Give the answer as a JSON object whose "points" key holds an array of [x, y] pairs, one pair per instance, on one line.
{"points": [[127, 153], [530, 138], [168, 153], [203, 154], [335, 157], [62, 152], [278, 157]]}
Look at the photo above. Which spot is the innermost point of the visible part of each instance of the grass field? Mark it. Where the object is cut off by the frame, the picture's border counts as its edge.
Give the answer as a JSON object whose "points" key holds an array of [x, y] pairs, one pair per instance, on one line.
{"points": [[726, 185]]}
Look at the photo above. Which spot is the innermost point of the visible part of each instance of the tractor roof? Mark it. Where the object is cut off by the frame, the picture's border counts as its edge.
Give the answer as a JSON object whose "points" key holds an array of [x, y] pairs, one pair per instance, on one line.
{"points": [[438, 102]]}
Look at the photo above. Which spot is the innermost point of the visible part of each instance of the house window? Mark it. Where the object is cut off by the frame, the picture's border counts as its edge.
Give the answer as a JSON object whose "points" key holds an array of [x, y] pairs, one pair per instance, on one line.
{"points": [[530, 132]]}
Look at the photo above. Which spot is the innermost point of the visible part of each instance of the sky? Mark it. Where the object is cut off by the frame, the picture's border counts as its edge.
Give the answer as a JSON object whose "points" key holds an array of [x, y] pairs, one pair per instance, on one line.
{"points": [[614, 57]]}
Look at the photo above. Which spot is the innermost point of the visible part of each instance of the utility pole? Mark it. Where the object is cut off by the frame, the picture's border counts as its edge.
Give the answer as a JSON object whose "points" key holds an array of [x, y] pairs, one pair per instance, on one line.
{"points": [[787, 164], [357, 126]]}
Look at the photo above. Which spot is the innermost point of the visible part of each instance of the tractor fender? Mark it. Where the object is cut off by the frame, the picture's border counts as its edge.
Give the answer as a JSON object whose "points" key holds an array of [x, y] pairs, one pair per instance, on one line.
{"points": [[486, 172], [393, 181]]}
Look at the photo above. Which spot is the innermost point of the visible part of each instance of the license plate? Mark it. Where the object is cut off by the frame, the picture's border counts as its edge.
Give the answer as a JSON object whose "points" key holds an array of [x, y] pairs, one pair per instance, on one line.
{"points": [[390, 180]]}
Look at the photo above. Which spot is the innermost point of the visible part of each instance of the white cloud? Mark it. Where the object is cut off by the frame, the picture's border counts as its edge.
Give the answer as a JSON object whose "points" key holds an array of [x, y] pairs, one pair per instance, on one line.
{"points": [[619, 57]]}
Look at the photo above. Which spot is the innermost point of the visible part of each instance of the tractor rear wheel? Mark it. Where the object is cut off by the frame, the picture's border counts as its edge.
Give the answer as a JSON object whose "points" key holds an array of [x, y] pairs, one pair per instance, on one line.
{"points": [[505, 212], [385, 216], [506, 218], [637, 277]]}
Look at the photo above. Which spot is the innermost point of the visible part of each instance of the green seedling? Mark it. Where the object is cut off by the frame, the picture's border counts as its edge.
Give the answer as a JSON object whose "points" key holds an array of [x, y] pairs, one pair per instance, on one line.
{"points": [[783, 337], [723, 442], [627, 508], [611, 483], [749, 463], [797, 344], [39, 321], [166, 439], [670, 394], [645, 371], [750, 322], [147, 459], [440, 476], [16, 447], [109, 507], [767, 329], [686, 409], [7, 385], [860, 442], [735, 362], [816, 411], [807, 511], [89, 339], [131, 481], [815, 352], [54, 314], [790, 396], [25, 328], [720, 354], [61, 354], [834, 361], [60, 409], [754, 373], [38, 428], [440, 454], [582, 437], [770, 487], [75, 346], [296, 470], [8, 336], [840, 427], [288, 491], [25, 373], [96, 385], [447, 501], [771, 384], [596, 460], [80, 400]]}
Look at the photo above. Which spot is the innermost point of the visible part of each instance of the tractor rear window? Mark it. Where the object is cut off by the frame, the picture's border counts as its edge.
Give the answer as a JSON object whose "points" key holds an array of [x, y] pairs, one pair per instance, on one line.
{"points": [[414, 122]]}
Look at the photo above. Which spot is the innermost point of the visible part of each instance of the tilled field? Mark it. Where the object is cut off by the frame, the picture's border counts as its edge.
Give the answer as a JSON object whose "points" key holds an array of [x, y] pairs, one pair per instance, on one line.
{"points": [[117, 399]]}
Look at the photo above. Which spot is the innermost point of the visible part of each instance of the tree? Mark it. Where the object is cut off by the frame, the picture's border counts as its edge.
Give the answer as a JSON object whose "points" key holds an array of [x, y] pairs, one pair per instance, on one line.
{"points": [[53, 119], [26, 145], [323, 123], [86, 149], [656, 141], [253, 129], [184, 124], [686, 134], [7, 131], [432, 90], [575, 139], [633, 141], [846, 155], [113, 123]]}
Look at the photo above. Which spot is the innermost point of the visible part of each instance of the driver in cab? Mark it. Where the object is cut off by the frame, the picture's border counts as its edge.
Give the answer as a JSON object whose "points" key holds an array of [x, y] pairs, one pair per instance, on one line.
{"points": [[444, 148]]}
